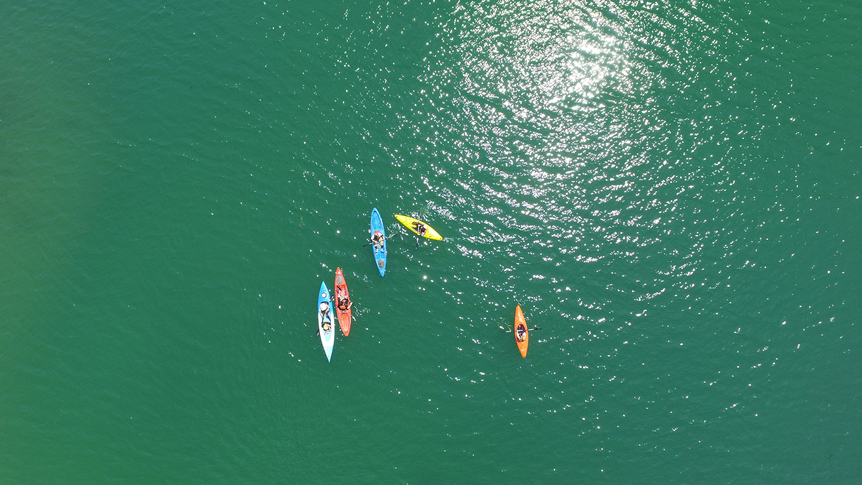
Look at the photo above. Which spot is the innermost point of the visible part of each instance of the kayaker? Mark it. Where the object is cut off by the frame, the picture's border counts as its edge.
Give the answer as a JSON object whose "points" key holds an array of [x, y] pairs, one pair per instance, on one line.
{"points": [[420, 228], [344, 304], [324, 311], [378, 239], [521, 333]]}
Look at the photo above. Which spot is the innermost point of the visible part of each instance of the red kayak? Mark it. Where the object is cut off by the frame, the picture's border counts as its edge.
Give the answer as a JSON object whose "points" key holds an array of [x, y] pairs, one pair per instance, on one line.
{"points": [[522, 335], [342, 302]]}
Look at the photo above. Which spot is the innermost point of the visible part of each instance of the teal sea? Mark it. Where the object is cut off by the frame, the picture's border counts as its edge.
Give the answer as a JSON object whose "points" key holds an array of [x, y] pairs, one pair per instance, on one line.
{"points": [[671, 190]]}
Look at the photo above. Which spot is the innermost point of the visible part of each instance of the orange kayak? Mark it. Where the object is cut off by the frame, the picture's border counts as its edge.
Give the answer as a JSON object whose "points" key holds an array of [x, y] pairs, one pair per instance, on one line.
{"points": [[344, 316], [522, 338]]}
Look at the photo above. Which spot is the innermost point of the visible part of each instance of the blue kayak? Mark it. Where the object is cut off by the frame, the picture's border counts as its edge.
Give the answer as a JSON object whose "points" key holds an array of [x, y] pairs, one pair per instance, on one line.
{"points": [[378, 241], [325, 321]]}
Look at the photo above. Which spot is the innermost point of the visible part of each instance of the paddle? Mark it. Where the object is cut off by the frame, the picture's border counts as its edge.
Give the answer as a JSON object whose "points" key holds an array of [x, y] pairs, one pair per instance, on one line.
{"points": [[529, 329], [352, 316]]}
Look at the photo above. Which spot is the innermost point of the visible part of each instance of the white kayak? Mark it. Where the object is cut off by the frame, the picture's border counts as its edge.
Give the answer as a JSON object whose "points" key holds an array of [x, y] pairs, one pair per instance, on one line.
{"points": [[325, 321]]}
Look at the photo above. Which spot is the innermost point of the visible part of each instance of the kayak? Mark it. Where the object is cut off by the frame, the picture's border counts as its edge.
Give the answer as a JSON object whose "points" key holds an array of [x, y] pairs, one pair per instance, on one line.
{"points": [[378, 247], [344, 316], [325, 317], [523, 338], [416, 225]]}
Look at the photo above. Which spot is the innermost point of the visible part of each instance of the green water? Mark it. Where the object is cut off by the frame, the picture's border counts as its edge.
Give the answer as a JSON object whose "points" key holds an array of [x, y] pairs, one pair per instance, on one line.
{"points": [[670, 190]]}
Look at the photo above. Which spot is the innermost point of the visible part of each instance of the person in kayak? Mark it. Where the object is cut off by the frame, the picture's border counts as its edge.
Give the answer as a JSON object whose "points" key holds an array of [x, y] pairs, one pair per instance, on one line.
{"points": [[324, 313], [522, 333], [378, 239], [344, 303], [420, 228]]}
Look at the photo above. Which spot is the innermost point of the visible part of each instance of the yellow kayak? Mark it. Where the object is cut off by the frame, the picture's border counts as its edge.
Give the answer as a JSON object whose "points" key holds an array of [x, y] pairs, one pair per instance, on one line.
{"points": [[417, 227]]}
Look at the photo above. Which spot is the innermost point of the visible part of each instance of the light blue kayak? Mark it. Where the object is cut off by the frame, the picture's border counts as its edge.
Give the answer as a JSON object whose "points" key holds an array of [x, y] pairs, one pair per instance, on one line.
{"points": [[325, 320], [378, 246]]}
